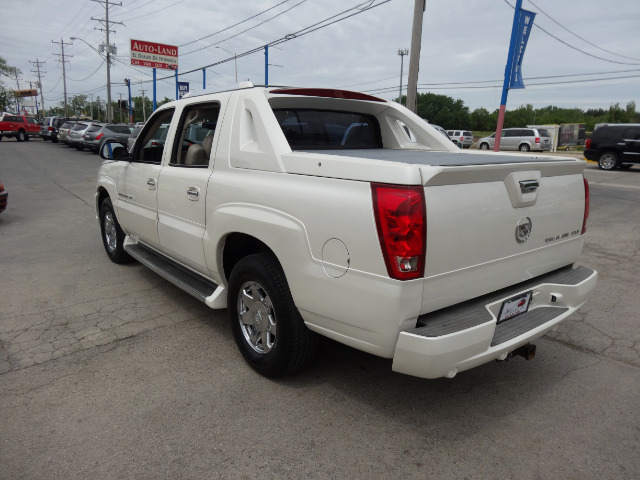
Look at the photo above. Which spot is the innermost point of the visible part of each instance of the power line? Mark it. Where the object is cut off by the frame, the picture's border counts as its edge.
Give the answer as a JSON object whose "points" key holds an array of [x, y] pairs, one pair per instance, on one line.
{"points": [[291, 36], [153, 12], [94, 72], [245, 31], [575, 48], [235, 25], [578, 36], [474, 87]]}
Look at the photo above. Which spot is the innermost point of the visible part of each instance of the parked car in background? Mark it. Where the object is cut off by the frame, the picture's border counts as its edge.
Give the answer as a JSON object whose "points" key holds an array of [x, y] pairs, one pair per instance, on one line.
{"points": [[63, 131], [444, 132], [96, 135], [614, 146], [136, 130], [76, 134], [463, 138], [47, 130], [523, 139], [19, 126], [4, 195]]}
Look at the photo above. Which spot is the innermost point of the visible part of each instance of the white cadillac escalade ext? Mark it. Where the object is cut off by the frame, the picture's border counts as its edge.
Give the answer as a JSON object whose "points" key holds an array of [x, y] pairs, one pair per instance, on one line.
{"points": [[318, 211]]}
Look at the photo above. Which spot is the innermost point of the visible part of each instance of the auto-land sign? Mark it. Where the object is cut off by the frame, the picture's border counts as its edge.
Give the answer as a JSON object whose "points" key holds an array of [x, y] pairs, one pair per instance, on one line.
{"points": [[154, 55]]}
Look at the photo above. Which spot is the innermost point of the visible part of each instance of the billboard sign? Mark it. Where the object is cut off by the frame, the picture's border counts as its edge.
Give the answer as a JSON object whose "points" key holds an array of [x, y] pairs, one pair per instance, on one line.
{"points": [[31, 92], [154, 55]]}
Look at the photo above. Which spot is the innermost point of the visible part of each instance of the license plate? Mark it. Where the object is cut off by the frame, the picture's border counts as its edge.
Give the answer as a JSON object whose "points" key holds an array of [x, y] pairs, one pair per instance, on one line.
{"points": [[515, 306]]}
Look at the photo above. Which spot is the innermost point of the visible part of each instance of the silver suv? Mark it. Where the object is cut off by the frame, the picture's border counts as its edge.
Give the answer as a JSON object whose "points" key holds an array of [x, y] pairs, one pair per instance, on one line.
{"points": [[463, 138], [523, 139]]}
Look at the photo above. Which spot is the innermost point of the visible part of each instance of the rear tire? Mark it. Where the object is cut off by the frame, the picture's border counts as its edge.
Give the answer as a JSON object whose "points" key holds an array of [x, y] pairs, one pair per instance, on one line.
{"points": [[524, 147], [20, 136], [265, 322], [608, 161], [112, 235]]}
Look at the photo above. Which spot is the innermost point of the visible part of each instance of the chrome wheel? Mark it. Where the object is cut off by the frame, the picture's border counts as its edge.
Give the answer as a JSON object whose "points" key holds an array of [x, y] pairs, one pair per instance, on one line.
{"points": [[484, 146], [110, 234], [607, 161], [257, 317], [524, 147]]}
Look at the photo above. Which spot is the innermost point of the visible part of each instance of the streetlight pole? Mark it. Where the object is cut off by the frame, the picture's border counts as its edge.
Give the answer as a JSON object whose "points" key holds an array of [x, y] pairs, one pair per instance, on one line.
{"points": [[235, 60], [402, 53]]}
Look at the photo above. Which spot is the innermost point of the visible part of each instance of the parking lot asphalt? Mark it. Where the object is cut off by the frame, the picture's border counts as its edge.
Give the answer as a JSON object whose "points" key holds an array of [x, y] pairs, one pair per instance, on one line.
{"points": [[109, 371]]}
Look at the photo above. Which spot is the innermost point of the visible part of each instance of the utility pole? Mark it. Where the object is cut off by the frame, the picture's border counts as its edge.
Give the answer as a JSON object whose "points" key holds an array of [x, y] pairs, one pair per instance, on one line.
{"points": [[105, 22], [144, 113], [402, 53], [64, 74], [414, 58], [17, 72], [91, 105], [120, 107], [37, 64]]}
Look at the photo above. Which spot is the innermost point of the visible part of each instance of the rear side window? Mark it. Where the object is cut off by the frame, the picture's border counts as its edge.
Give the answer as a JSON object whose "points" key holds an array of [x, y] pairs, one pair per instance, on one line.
{"points": [[118, 129], [632, 133], [307, 129], [93, 128]]}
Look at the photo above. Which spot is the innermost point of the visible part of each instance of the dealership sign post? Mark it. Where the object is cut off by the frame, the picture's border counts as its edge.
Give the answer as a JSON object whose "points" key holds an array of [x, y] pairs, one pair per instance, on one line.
{"points": [[154, 55]]}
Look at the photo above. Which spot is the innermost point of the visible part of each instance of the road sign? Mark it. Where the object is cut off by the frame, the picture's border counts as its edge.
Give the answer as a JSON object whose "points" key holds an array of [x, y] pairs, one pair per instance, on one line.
{"points": [[183, 89], [154, 55]]}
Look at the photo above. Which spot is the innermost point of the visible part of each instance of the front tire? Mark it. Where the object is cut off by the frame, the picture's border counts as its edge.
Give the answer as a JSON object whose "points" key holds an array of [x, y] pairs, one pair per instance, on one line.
{"points": [[484, 146], [112, 234], [608, 161], [265, 322]]}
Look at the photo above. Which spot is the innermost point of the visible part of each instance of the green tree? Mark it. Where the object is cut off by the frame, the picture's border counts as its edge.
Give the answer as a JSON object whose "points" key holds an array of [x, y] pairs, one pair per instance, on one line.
{"points": [[7, 101], [481, 120], [444, 111]]}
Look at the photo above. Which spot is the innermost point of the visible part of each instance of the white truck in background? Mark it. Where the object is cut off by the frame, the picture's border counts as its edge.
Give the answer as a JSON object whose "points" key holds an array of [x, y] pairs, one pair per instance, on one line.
{"points": [[311, 212]]}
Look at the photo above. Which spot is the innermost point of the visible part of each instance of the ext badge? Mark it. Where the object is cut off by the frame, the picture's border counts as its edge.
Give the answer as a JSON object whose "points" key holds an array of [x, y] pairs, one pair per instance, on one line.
{"points": [[523, 229]]}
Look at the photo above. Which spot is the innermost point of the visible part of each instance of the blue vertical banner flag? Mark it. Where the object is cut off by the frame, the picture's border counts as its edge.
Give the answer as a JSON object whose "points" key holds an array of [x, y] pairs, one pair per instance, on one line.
{"points": [[183, 89], [525, 24]]}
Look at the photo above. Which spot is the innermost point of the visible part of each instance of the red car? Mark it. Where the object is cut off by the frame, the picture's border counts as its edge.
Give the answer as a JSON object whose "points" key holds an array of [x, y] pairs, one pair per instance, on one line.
{"points": [[3, 198]]}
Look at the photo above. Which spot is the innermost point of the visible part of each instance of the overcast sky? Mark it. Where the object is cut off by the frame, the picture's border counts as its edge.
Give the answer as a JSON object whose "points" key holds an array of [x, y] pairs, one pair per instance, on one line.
{"points": [[462, 41]]}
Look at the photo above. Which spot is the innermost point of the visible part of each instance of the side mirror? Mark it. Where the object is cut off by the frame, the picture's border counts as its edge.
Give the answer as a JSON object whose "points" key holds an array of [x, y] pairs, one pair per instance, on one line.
{"points": [[113, 151]]}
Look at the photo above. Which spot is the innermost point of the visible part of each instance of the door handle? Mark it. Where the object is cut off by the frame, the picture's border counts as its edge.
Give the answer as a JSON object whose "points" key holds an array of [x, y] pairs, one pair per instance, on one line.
{"points": [[151, 184], [528, 186], [193, 194]]}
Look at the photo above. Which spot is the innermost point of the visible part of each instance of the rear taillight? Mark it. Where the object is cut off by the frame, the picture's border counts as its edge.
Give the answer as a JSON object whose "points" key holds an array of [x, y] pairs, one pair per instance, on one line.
{"points": [[462, 139], [586, 205], [50, 129], [587, 144], [99, 136], [400, 214], [537, 139]]}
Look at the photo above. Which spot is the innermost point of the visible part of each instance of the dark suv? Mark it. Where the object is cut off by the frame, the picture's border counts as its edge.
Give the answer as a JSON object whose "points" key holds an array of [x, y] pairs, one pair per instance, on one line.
{"points": [[614, 145]]}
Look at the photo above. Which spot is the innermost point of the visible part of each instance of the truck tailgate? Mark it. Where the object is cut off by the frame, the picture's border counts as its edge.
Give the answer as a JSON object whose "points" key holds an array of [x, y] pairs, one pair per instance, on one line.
{"points": [[491, 226]]}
